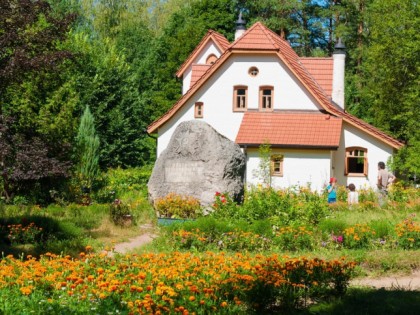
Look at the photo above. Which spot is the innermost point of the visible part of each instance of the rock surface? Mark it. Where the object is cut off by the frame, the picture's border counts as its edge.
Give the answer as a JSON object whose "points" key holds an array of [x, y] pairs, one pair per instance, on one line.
{"points": [[198, 162]]}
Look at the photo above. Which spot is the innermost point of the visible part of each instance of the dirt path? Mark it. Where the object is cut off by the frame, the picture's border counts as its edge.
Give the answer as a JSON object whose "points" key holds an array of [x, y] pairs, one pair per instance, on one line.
{"points": [[410, 282], [133, 243]]}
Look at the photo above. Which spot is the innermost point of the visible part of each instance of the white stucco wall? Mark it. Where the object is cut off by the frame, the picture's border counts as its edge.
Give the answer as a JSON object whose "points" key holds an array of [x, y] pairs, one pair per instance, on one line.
{"points": [[207, 50], [376, 151], [300, 168], [217, 95]]}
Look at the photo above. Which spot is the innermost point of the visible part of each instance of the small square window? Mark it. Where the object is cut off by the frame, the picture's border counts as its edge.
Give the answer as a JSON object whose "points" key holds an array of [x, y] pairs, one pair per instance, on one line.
{"points": [[277, 165], [198, 111], [356, 162]]}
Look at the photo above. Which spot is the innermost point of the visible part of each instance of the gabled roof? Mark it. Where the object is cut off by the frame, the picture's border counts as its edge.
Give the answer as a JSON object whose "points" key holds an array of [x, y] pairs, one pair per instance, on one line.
{"points": [[322, 71], [258, 37], [218, 39], [270, 42], [290, 129]]}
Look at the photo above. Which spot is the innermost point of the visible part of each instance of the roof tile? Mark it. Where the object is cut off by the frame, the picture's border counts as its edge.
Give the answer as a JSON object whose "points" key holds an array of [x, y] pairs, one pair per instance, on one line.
{"points": [[290, 128]]}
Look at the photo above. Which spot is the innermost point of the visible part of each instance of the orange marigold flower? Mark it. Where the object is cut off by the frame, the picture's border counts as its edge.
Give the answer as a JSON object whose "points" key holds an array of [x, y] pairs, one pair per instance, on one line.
{"points": [[191, 298]]}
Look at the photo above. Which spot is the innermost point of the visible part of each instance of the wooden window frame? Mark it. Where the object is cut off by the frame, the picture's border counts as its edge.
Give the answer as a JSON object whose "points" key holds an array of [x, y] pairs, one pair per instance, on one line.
{"points": [[236, 108], [350, 155], [262, 98], [211, 59], [198, 109], [276, 158]]}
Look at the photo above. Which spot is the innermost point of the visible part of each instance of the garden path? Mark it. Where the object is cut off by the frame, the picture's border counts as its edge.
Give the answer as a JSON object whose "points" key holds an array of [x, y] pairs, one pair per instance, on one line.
{"points": [[146, 237], [407, 282]]}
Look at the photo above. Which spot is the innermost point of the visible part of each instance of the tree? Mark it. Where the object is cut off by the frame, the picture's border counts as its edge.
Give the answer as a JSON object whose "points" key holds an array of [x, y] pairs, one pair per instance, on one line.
{"points": [[29, 33], [87, 144], [26, 164], [264, 170], [391, 75]]}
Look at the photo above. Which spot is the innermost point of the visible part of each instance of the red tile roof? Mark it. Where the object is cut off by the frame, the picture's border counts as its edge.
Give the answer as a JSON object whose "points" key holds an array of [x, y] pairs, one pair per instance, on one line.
{"points": [[219, 40], [197, 72], [257, 37], [269, 42], [322, 71], [291, 129]]}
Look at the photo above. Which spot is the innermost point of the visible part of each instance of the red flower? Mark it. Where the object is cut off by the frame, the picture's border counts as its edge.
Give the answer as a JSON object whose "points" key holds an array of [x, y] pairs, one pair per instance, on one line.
{"points": [[217, 194]]}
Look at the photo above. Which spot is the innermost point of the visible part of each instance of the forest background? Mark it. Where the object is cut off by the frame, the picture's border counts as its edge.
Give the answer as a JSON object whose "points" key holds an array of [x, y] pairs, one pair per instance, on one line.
{"points": [[114, 62]]}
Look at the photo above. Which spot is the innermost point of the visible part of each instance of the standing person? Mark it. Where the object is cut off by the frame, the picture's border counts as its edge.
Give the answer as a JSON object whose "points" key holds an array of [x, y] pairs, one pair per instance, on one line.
{"points": [[332, 190], [384, 179], [353, 195]]}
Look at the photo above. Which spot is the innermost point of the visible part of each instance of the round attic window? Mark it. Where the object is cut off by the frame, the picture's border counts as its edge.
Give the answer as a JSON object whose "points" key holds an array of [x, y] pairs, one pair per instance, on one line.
{"points": [[211, 59], [253, 71]]}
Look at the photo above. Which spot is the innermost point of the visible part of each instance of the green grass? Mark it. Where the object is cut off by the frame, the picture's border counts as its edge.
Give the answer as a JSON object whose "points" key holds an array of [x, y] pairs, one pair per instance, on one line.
{"points": [[358, 301]]}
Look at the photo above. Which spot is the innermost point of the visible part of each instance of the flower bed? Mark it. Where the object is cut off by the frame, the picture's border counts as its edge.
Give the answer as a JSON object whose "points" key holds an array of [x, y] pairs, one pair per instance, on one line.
{"points": [[166, 283]]}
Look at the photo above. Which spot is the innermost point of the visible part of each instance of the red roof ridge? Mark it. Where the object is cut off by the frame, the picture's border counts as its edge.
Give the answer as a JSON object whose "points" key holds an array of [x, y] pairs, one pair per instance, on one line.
{"points": [[218, 40], [251, 30], [316, 58]]}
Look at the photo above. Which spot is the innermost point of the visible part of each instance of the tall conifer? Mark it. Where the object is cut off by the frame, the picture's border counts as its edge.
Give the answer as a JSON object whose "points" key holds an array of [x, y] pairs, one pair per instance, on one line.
{"points": [[88, 150]]}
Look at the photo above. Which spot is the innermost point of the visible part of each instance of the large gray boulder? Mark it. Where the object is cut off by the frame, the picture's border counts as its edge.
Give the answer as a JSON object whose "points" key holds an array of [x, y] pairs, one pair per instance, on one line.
{"points": [[198, 162]]}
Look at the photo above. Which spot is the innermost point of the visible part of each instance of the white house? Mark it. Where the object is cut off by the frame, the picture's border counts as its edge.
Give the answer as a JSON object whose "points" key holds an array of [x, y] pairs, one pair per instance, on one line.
{"points": [[257, 90]]}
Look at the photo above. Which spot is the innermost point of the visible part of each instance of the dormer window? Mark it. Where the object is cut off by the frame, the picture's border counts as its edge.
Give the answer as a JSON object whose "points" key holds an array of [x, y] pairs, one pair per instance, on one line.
{"points": [[211, 59], [266, 98], [198, 110], [240, 95]]}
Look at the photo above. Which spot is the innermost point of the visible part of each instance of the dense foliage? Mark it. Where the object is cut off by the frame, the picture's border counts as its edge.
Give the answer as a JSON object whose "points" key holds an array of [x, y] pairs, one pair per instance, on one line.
{"points": [[119, 58]]}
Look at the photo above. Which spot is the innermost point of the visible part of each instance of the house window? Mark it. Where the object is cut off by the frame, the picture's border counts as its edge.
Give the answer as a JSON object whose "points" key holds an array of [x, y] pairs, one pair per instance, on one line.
{"points": [[240, 98], [253, 71], [211, 59], [356, 161], [266, 97], [277, 165], [198, 112]]}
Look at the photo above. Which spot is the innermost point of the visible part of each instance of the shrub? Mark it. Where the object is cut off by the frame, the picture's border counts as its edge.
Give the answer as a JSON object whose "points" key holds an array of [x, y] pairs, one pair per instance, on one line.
{"points": [[358, 236], [224, 207], [116, 182], [24, 234], [119, 212], [291, 238], [178, 206], [408, 233]]}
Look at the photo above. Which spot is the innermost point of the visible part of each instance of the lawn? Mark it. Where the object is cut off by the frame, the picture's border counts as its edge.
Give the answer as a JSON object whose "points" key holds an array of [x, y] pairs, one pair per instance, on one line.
{"points": [[281, 251]]}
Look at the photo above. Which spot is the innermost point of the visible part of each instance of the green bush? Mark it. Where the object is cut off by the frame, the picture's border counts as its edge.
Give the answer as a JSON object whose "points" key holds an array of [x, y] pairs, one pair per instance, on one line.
{"points": [[294, 238], [115, 183], [119, 212], [178, 206]]}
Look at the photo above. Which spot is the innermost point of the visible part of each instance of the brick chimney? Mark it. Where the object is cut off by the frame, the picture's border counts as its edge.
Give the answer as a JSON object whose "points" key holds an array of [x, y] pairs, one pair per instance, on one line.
{"points": [[339, 63], [240, 26]]}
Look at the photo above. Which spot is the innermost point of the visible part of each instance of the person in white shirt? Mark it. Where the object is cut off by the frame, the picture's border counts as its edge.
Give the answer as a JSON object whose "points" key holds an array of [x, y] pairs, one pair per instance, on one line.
{"points": [[353, 195]]}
